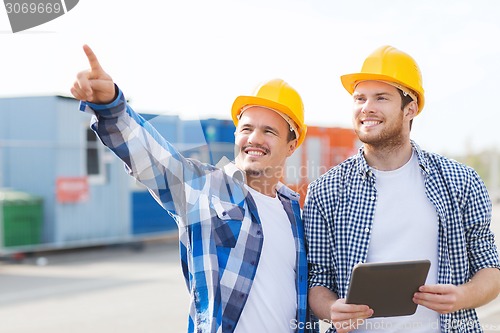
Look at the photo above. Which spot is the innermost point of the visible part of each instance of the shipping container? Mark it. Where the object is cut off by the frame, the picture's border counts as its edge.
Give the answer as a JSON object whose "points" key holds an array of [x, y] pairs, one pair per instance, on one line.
{"points": [[322, 149], [148, 217], [208, 140]]}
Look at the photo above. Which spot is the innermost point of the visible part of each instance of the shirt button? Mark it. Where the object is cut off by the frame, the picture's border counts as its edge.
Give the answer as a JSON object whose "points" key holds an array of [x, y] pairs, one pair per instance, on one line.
{"points": [[259, 232], [367, 230]]}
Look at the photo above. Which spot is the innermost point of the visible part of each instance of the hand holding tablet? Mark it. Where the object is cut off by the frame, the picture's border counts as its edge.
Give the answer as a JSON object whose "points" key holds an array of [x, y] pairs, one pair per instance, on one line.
{"points": [[388, 288]]}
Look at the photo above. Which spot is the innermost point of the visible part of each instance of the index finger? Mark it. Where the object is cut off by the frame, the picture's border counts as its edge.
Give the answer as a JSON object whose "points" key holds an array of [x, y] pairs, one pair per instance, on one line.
{"points": [[434, 288], [94, 63]]}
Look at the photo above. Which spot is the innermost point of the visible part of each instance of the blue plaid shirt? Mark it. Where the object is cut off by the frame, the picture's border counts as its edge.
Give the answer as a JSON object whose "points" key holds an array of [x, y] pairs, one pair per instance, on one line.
{"points": [[339, 213], [220, 233]]}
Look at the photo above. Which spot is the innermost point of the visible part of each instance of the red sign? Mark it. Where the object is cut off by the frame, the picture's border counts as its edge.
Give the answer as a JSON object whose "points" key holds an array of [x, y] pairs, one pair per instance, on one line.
{"points": [[72, 189]]}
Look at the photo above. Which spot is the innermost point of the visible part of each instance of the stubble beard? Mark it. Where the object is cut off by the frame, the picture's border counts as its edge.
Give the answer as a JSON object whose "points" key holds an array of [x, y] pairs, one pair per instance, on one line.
{"points": [[388, 139]]}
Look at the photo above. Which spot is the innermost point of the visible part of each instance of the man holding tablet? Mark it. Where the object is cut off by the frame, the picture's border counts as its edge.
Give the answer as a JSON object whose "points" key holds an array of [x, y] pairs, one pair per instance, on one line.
{"points": [[396, 202]]}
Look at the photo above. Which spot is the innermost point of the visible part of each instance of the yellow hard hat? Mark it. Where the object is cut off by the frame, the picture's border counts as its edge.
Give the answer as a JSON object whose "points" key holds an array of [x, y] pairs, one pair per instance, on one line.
{"points": [[392, 66], [278, 95]]}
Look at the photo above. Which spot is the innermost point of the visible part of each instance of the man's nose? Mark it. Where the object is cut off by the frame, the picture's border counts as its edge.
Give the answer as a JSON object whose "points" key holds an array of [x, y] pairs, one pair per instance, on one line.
{"points": [[368, 106], [256, 137]]}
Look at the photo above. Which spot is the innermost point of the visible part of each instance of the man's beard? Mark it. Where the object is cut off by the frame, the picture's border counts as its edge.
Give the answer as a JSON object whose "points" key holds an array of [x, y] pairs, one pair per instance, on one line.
{"points": [[386, 139], [390, 137]]}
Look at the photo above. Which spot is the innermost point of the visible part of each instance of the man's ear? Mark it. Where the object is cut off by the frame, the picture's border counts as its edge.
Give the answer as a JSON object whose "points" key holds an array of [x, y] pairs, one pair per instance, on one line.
{"points": [[292, 146], [411, 110]]}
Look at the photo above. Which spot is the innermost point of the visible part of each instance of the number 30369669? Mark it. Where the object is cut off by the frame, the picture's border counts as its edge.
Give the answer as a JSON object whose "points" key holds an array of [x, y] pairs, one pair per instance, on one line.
{"points": [[32, 8]]}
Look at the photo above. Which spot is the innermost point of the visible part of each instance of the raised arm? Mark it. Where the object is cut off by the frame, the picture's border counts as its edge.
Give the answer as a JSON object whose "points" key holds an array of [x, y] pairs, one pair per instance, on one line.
{"points": [[148, 157]]}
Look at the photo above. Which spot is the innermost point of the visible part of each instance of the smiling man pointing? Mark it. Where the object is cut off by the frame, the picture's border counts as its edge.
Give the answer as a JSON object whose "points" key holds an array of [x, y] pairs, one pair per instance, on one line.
{"points": [[241, 234]]}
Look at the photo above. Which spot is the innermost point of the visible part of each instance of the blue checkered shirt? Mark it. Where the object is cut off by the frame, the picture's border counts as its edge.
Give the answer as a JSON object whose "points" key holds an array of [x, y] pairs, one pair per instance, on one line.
{"points": [[339, 212], [220, 234]]}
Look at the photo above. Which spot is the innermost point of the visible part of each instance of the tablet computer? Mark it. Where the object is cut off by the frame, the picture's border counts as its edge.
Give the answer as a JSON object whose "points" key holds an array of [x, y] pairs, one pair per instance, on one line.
{"points": [[388, 287]]}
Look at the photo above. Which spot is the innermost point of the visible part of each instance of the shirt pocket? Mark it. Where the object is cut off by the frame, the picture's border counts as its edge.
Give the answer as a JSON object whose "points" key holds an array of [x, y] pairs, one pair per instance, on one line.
{"points": [[226, 222]]}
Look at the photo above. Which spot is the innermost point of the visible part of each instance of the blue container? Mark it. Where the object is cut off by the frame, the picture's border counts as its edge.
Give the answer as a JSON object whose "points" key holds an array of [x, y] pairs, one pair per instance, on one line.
{"points": [[218, 130], [220, 138], [148, 217], [208, 140], [166, 125]]}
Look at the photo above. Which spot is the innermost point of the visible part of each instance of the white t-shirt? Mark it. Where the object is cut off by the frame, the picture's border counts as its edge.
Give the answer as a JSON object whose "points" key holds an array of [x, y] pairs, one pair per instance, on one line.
{"points": [[405, 228], [272, 301]]}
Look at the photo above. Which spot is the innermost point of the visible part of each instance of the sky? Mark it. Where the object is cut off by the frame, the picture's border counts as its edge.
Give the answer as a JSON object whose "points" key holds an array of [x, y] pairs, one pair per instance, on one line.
{"points": [[192, 58]]}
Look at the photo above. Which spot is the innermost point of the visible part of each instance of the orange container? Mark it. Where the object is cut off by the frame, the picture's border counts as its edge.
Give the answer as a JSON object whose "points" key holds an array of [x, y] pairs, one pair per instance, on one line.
{"points": [[323, 148]]}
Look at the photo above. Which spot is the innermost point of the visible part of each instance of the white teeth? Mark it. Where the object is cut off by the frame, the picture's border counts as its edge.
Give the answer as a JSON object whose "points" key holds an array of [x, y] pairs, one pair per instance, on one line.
{"points": [[256, 153], [371, 122]]}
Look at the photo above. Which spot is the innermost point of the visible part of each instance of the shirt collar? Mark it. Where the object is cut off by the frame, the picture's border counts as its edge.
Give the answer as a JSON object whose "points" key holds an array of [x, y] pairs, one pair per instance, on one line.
{"points": [[287, 192], [365, 170], [231, 170], [423, 161]]}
